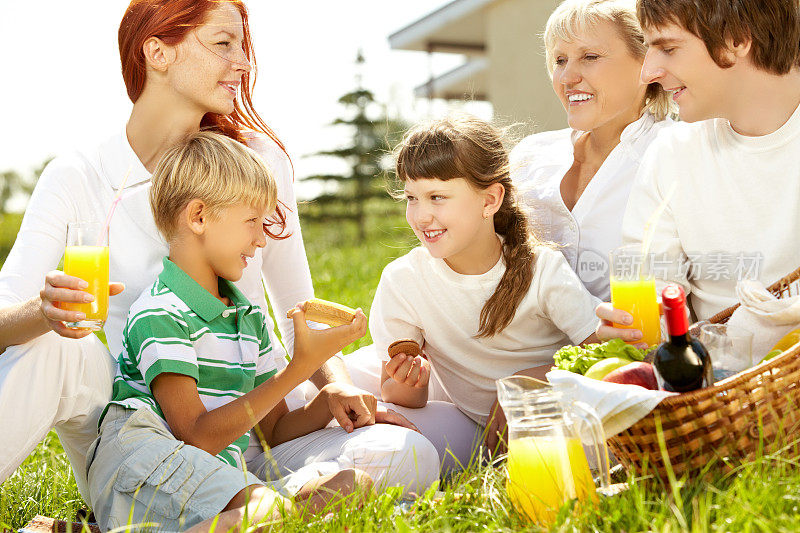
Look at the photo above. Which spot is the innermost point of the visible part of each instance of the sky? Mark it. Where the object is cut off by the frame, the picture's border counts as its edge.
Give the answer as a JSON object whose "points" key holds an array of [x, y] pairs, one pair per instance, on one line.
{"points": [[62, 83]]}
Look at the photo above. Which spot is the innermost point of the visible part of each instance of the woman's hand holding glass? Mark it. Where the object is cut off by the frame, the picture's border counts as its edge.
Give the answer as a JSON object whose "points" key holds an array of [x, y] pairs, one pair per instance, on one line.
{"points": [[59, 287]]}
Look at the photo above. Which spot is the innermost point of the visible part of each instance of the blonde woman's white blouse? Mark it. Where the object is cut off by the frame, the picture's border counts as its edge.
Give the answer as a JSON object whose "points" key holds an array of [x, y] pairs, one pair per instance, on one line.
{"points": [[593, 227]]}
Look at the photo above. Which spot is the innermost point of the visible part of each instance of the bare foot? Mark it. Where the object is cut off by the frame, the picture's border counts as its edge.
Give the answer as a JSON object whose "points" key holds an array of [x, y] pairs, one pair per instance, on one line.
{"points": [[320, 493], [256, 504]]}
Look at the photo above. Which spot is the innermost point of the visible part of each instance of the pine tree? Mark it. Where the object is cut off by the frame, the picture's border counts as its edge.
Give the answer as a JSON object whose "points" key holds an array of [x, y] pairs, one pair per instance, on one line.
{"points": [[367, 155]]}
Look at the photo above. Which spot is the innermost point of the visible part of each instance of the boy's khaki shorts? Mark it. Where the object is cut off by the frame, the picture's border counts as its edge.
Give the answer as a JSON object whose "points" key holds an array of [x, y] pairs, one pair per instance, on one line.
{"points": [[139, 473]]}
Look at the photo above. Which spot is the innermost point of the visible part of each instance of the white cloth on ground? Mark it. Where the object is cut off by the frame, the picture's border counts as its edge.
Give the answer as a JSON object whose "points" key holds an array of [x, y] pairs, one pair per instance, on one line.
{"points": [[618, 406], [593, 227], [766, 317], [419, 297], [734, 215]]}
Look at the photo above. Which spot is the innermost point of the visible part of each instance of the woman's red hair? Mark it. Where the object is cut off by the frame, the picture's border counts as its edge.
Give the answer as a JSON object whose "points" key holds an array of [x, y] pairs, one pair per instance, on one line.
{"points": [[171, 21]]}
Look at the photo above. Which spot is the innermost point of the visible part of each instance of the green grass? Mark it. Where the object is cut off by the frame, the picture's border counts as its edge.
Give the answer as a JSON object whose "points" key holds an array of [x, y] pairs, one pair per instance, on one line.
{"points": [[9, 226], [760, 496]]}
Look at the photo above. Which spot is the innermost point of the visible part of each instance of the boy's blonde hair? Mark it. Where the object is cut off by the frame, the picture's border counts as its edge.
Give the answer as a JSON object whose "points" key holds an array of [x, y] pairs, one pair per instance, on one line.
{"points": [[573, 17], [213, 168]]}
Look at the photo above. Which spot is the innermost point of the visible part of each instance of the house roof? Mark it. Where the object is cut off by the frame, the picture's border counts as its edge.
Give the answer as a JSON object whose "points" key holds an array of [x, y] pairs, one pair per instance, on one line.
{"points": [[468, 81], [458, 27]]}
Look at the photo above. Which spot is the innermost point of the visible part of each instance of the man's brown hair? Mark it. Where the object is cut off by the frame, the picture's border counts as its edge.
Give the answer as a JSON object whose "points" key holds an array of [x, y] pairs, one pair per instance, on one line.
{"points": [[772, 26]]}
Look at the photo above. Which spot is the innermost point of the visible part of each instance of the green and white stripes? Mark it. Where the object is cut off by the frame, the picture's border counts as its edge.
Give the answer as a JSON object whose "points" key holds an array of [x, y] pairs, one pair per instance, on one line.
{"points": [[176, 326]]}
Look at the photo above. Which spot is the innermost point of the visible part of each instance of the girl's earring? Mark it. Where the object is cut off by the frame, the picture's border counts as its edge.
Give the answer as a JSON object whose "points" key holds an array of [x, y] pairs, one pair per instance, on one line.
{"points": [[485, 215]]}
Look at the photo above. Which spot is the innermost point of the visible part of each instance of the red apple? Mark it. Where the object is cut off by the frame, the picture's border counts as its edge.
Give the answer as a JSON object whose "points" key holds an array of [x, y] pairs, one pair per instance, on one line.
{"points": [[641, 374]]}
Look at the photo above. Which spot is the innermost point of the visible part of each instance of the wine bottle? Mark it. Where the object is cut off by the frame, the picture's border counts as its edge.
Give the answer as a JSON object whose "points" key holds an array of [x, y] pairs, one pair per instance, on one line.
{"points": [[681, 362]]}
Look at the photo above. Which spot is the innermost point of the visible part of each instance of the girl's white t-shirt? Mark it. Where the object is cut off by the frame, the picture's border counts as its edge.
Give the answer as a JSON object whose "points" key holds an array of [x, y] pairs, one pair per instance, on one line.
{"points": [[419, 297], [594, 226], [82, 185]]}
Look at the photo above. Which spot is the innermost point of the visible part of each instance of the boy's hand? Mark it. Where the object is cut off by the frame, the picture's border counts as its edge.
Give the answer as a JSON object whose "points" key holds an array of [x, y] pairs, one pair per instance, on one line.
{"points": [[410, 371], [350, 406], [312, 347]]}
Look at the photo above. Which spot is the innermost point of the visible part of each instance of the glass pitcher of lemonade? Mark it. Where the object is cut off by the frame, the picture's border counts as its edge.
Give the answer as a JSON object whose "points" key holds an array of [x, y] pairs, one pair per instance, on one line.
{"points": [[551, 442]]}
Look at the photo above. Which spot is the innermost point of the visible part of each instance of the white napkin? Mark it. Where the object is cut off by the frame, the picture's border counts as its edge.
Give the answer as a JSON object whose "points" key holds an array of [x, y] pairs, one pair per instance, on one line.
{"points": [[767, 317], [618, 406]]}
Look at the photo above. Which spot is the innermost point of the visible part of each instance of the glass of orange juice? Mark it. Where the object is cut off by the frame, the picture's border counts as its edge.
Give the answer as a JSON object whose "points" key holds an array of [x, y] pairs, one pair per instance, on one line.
{"points": [[633, 289], [86, 257]]}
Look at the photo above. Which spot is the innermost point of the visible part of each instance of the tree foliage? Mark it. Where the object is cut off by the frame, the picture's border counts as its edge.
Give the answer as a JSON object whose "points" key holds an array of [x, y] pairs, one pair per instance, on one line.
{"points": [[367, 154], [17, 186]]}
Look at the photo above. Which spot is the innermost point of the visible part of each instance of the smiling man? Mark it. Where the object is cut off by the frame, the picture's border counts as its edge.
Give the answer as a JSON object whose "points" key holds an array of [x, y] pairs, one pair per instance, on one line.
{"points": [[731, 177]]}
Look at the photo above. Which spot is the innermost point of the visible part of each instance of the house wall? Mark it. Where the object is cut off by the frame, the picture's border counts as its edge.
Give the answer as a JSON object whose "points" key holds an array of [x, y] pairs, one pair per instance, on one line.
{"points": [[520, 89]]}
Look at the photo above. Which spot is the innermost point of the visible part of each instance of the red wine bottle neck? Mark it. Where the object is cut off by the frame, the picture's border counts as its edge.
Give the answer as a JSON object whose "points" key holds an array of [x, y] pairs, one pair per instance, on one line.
{"points": [[679, 340], [674, 302]]}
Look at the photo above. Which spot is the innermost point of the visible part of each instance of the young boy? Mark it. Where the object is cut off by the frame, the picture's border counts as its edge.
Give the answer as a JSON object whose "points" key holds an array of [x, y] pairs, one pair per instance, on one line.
{"points": [[196, 372], [735, 210]]}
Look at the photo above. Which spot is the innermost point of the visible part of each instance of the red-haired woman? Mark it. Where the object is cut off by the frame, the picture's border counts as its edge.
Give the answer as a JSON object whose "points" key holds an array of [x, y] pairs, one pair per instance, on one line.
{"points": [[187, 64]]}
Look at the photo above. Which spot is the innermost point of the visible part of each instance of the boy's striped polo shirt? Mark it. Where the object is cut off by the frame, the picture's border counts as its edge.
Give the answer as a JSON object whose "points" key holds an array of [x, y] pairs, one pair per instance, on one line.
{"points": [[177, 326]]}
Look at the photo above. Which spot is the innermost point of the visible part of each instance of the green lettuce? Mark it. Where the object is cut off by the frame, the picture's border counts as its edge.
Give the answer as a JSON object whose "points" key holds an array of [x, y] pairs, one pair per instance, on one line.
{"points": [[578, 359]]}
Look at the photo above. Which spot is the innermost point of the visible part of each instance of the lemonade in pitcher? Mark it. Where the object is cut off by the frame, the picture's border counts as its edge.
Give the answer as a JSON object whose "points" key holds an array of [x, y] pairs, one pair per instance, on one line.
{"points": [[549, 434], [546, 471]]}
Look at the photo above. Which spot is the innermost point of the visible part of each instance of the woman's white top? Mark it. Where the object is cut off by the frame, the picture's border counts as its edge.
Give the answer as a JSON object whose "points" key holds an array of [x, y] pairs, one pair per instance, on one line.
{"points": [[594, 226], [419, 297], [82, 185]]}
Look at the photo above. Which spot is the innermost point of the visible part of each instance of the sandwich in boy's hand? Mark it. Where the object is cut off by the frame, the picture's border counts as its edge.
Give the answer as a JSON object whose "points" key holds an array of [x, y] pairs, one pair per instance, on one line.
{"points": [[326, 312]]}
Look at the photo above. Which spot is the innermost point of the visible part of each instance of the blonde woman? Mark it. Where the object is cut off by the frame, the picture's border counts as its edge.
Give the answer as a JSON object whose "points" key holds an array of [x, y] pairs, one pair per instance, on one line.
{"points": [[575, 182]]}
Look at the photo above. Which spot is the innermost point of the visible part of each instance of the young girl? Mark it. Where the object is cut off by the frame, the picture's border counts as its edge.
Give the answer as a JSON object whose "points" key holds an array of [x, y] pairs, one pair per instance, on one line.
{"points": [[481, 296]]}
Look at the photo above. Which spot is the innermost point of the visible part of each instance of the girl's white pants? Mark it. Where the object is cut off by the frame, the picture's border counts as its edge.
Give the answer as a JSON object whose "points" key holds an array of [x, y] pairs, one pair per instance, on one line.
{"points": [[455, 435]]}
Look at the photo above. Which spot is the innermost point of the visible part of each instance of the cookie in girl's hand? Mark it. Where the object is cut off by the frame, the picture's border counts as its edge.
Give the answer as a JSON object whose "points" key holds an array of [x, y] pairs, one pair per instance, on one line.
{"points": [[406, 346]]}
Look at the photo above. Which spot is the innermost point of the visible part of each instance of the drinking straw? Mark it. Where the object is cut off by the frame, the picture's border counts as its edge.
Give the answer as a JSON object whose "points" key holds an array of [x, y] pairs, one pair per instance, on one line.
{"points": [[650, 225], [114, 203]]}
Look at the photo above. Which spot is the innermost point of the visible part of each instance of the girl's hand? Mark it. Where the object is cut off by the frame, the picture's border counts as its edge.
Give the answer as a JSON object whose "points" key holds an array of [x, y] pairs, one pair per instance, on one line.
{"points": [[390, 416], [411, 371], [58, 287]]}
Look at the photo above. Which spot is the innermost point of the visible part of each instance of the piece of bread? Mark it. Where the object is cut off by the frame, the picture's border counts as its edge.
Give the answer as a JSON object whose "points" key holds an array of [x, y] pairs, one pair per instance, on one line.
{"points": [[406, 346], [326, 312]]}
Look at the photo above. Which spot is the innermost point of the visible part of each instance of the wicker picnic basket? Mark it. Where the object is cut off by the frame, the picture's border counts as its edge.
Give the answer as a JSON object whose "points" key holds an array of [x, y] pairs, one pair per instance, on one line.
{"points": [[755, 411]]}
